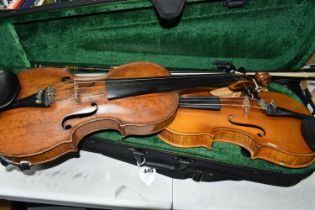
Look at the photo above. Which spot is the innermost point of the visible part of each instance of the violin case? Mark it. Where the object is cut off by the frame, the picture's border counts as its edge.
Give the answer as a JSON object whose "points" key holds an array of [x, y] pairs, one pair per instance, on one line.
{"points": [[270, 35]]}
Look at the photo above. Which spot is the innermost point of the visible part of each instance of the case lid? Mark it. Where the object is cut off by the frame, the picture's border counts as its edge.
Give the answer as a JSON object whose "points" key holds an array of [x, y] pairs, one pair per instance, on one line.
{"points": [[260, 35]]}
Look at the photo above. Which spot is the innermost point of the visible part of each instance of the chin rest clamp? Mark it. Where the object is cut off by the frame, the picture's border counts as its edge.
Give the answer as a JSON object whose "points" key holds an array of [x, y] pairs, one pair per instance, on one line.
{"points": [[308, 131]]}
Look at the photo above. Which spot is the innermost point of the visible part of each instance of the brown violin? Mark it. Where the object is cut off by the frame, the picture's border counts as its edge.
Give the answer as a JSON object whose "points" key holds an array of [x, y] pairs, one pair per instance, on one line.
{"points": [[274, 127], [55, 109]]}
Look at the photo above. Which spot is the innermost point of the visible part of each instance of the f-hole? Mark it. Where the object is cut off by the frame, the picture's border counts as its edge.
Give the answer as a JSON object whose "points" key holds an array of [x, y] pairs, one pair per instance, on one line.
{"points": [[64, 79], [89, 113], [260, 134]]}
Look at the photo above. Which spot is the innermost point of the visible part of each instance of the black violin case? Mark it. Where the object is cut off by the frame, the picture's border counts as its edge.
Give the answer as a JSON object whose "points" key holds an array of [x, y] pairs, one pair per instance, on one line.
{"points": [[271, 35]]}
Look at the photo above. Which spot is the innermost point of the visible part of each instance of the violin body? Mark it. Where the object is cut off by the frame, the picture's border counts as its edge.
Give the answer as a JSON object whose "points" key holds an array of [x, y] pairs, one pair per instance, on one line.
{"points": [[275, 139], [80, 107]]}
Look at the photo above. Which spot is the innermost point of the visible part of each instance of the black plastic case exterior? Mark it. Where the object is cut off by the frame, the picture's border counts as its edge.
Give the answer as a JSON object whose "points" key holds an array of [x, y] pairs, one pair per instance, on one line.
{"points": [[183, 167]]}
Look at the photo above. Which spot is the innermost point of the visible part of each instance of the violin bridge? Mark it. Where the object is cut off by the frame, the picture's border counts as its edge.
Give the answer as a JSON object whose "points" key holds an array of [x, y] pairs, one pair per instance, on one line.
{"points": [[246, 106], [76, 94]]}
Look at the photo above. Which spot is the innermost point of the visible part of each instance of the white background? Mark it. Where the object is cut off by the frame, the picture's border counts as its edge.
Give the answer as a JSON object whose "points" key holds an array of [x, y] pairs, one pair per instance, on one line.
{"points": [[94, 180]]}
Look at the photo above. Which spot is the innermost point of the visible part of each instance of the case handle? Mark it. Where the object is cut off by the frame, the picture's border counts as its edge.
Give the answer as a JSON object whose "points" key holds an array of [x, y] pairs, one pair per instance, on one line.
{"points": [[141, 160], [172, 9]]}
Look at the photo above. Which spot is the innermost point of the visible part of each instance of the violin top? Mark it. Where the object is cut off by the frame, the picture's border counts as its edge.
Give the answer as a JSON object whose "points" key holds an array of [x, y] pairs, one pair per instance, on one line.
{"points": [[277, 139]]}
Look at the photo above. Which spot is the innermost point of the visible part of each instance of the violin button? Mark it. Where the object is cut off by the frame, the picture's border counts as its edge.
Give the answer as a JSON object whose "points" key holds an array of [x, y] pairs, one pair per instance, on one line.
{"points": [[22, 165], [25, 165]]}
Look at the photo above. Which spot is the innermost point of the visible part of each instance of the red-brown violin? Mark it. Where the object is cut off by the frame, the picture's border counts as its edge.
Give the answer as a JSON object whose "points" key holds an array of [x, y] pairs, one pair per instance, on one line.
{"points": [[54, 109]]}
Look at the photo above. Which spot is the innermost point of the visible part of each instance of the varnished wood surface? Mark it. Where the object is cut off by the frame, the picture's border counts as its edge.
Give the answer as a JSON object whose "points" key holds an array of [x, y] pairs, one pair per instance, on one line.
{"points": [[282, 144], [37, 134]]}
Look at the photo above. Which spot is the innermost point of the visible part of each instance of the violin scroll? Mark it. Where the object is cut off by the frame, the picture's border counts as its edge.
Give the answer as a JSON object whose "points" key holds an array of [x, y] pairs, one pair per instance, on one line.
{"points": [[241, 84], [262, 78]]}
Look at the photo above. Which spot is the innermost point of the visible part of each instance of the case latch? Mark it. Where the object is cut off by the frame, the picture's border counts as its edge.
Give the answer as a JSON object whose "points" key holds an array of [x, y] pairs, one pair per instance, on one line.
{"points": [[234, 3], [178, 165]]}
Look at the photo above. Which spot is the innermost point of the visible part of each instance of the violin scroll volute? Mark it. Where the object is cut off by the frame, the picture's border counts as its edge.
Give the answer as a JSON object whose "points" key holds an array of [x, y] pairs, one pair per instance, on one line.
{"points": [[261, 78]]}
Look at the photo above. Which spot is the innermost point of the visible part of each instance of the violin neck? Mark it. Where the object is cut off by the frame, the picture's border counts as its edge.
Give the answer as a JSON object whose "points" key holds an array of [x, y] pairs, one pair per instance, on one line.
{"points": [[118, 88]]}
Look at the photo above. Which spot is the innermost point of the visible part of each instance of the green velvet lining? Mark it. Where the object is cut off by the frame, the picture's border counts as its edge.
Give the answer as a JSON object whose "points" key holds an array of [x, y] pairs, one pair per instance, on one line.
{"points": [[12, 55], [264, 34], [272, 86]]}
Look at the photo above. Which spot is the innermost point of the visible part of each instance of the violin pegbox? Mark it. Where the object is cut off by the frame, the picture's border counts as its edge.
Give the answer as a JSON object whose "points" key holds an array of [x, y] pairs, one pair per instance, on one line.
{"points": [[246, 85]]}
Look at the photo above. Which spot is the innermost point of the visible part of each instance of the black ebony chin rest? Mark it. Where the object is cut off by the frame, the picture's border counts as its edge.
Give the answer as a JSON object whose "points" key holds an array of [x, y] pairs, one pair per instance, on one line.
{"points": [[9, 88], [308, 131]]}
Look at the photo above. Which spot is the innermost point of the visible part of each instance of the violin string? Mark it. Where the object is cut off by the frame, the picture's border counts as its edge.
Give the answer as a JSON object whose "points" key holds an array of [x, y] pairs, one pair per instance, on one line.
{"points": [[72, 96], [183, 98], [61, 83], [229, 99], [232, 105], [119, 82], [186, 99], [95, 81], [72, 82], [216, 104], [79, 81], [220, 99], [192, 102]]}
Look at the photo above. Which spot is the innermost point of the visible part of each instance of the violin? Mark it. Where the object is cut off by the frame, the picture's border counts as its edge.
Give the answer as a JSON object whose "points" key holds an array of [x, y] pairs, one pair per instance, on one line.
{"points": [[273, 127], [54, 109]]}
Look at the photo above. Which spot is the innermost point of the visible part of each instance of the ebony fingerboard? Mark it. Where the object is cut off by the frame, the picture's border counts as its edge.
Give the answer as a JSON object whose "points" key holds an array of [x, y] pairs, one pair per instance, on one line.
{"points": [[119, 88]]}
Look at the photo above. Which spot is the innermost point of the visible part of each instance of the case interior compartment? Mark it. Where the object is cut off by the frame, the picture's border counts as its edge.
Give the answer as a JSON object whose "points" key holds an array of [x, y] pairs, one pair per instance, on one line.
{"points": [[261, 35]]}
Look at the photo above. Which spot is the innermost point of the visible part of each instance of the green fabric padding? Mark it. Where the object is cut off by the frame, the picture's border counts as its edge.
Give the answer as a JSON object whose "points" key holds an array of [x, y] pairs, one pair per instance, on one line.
{"points": [[264, 34], [272, 86], [12, 55]]}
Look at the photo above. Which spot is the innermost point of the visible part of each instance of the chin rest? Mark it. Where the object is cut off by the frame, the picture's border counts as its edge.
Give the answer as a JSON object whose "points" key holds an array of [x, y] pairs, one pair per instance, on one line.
{"points": [[9, 88], [308, 131]]}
